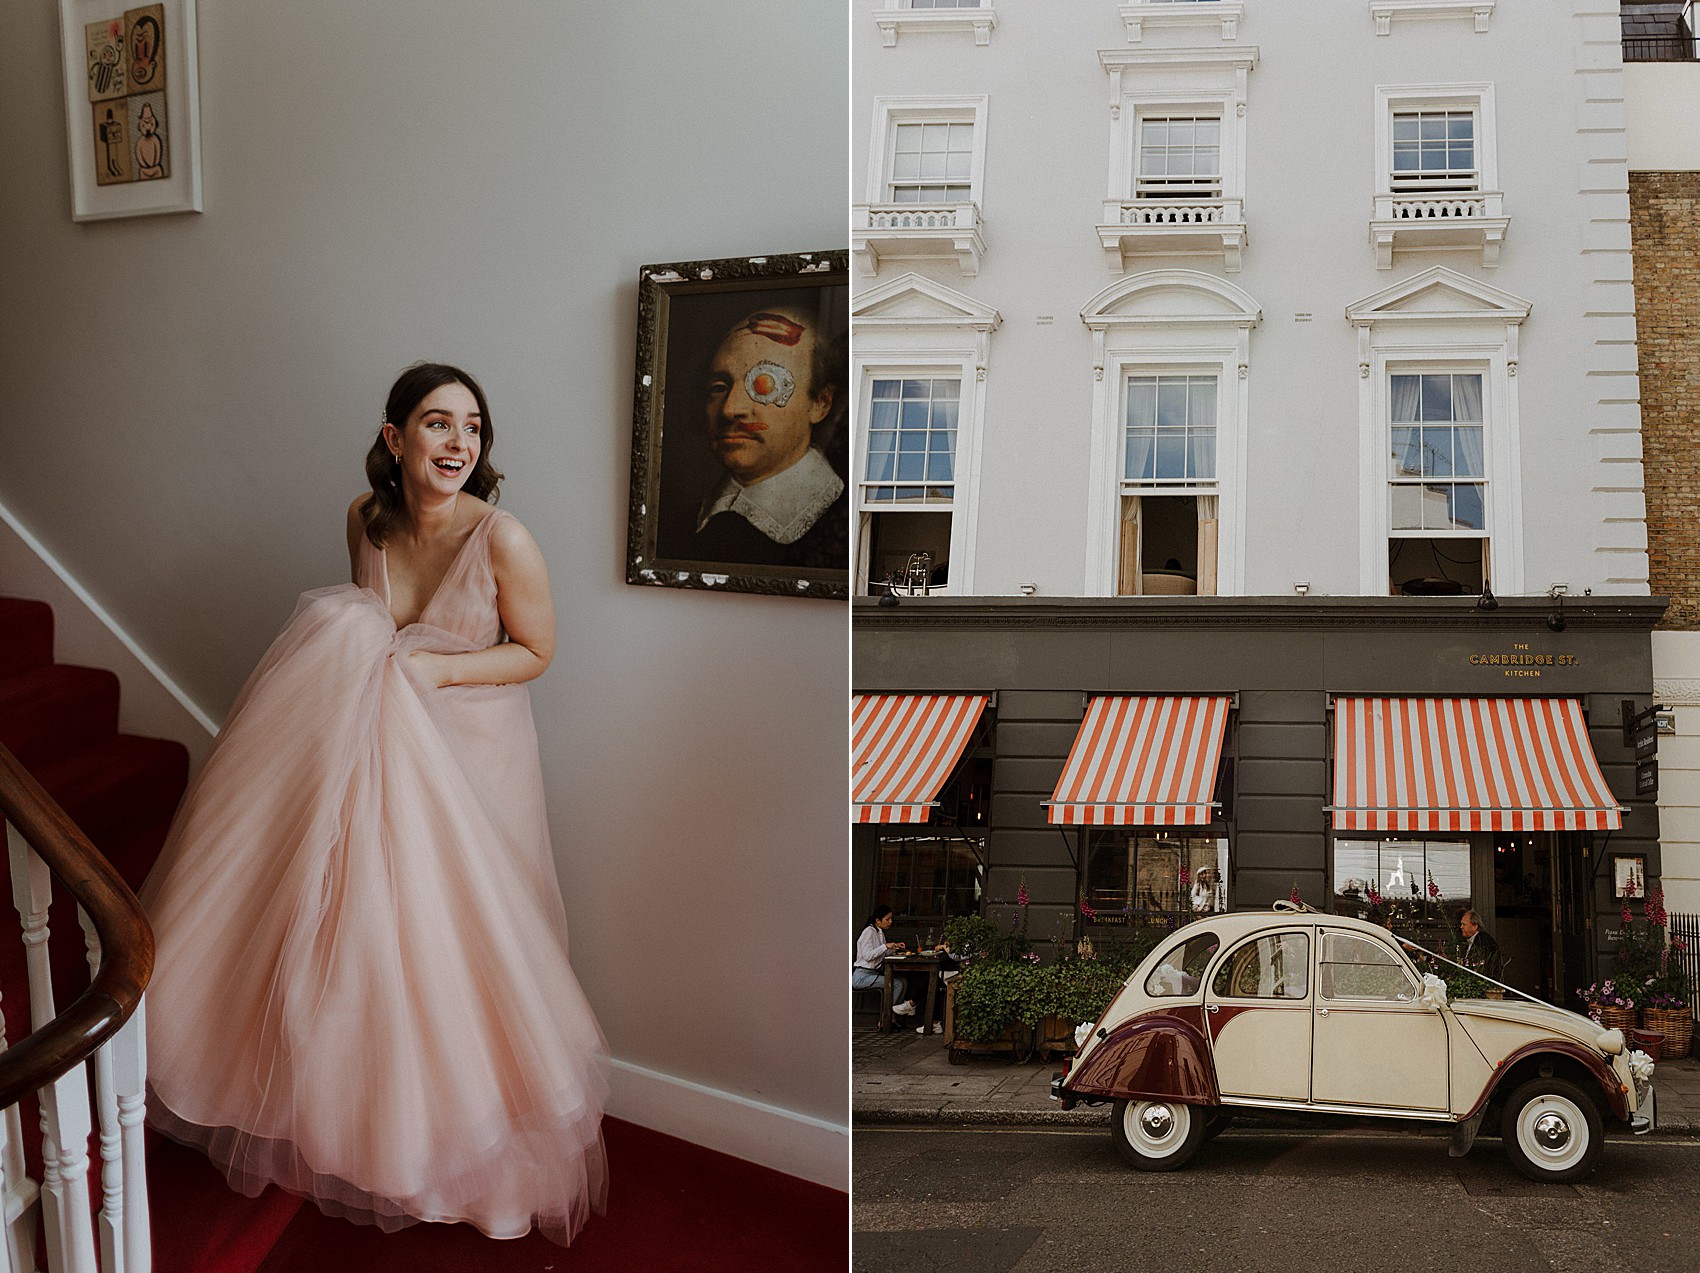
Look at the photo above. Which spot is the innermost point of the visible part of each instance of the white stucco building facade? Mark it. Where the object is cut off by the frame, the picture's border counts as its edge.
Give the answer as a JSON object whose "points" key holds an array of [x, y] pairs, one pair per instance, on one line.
{"points": [[1236, 350], [1209, 190]]}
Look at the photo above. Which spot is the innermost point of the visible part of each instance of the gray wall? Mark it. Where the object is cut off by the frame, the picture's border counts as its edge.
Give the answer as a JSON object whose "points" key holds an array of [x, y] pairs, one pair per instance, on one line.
{"points": [[1283, 658], [188, 399]]}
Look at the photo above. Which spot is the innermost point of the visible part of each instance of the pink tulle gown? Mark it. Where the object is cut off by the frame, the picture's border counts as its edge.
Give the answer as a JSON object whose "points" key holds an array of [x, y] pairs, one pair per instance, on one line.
{"points": [[362, 991]]}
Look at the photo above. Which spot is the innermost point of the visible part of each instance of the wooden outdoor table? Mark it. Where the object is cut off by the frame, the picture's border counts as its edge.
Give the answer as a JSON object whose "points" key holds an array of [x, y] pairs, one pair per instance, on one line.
{"points": [[910, 966]]}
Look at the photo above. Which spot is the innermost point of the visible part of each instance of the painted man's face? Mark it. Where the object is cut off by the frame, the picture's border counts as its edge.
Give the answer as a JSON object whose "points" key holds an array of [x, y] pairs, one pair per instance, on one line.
{"points": [[761, 408]]}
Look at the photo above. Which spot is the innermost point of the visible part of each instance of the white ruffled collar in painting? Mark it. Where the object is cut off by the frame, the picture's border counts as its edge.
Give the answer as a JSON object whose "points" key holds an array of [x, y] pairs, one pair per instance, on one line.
{"points": [[782, 507]]}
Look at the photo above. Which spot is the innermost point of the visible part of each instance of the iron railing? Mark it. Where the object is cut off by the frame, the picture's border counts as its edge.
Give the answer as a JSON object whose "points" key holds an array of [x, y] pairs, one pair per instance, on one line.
{"points": [[1686, 929], [1676, 40]]}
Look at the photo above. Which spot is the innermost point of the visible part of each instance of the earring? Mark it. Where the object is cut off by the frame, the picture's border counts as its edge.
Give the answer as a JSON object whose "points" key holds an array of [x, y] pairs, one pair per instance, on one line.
{"points": [[398, 457]]}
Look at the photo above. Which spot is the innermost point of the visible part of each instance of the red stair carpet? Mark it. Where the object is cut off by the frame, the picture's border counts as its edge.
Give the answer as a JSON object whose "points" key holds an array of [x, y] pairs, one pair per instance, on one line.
{"points": [[672, 1205]]}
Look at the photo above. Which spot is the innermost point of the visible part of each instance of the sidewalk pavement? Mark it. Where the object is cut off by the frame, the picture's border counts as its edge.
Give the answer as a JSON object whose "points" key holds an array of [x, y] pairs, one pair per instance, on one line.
{"points": [[904, 1077]]}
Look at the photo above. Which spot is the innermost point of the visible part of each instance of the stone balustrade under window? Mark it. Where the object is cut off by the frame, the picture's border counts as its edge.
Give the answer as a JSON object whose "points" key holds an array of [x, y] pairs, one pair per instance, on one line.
{"points": [[1468, 220], [1165, 227], [915, 231]]}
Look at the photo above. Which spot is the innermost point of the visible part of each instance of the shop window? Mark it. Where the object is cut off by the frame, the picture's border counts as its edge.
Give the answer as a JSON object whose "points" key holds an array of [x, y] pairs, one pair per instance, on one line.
{"points": [[929, 877], [1419, 882], [1272, 967], [1135, 874]]}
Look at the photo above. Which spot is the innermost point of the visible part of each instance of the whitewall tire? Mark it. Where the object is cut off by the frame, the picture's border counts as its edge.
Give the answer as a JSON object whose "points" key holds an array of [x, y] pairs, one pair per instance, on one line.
{"points": [[1156, 1135], [1552, 1131]]}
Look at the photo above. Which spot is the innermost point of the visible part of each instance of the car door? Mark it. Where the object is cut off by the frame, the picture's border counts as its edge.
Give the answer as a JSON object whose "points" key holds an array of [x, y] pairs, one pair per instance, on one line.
{"points": [[1375, 1042], [1258, 1011]]}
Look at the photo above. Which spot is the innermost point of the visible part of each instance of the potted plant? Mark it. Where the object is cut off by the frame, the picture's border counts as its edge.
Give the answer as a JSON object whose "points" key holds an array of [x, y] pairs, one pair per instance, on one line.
{"points": [[1611, 1005]]}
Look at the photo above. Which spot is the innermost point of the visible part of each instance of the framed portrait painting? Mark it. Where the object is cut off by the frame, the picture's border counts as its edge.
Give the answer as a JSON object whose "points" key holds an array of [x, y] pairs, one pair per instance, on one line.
{"points": [[132, 107], [739, 424]]}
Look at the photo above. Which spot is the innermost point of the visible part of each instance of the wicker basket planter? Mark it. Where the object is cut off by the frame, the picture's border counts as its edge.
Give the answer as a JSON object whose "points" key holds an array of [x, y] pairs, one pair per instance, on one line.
{"points": [[1675, 1024], [1615, 1019]]}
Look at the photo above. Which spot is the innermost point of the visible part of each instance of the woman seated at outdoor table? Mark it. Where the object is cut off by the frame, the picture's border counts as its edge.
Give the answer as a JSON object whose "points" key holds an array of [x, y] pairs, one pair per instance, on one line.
{"points": [[867, 973]]}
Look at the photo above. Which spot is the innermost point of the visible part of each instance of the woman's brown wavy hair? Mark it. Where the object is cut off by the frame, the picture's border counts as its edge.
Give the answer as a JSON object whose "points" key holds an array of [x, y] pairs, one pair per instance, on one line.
{"points": [[386, 505]]}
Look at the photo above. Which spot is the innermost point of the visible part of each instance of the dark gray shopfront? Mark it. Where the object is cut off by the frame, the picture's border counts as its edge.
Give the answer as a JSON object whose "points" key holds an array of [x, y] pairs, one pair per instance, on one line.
{"points": [[1548, 895]]}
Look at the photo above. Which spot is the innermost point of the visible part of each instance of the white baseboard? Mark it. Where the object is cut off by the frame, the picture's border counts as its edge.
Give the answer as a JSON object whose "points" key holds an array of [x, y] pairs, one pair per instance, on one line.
{"points": [[782, 1139]]}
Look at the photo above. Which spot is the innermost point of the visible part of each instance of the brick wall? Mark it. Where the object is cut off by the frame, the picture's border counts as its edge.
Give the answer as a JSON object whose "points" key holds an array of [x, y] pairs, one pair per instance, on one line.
{"points": [[1664, 210]]}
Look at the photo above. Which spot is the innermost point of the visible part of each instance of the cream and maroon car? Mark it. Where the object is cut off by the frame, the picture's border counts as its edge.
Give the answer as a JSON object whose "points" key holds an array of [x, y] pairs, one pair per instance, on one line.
{"points": [[1307, 1013]]}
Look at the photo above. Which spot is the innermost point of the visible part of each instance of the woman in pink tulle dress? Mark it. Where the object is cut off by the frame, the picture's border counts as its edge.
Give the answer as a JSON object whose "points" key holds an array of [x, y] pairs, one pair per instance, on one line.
{"points": [[362, 991]]}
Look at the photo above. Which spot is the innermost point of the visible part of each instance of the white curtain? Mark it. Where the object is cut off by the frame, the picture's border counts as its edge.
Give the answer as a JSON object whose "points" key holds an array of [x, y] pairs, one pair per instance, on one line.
{"points": [[1466, 399], [1127, 562], [1207, 545], [1407, 395]]}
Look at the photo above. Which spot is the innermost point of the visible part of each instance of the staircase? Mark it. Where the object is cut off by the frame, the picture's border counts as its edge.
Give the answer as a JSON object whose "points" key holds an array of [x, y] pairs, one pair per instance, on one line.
{"points": [[61, 722], [674, 1205]]}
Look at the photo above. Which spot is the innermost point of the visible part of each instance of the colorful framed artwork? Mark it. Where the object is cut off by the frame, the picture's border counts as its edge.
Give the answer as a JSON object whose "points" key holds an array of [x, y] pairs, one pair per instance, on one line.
{"points": [[132, 107], [739, 426]]}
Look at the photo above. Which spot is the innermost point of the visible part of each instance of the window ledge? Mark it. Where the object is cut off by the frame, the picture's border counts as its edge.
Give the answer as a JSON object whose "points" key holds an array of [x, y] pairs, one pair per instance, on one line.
{"points": [[1168, 227], [1437, 221], [1140, 14], [892, 22], [1384, 11], [916, 231]]}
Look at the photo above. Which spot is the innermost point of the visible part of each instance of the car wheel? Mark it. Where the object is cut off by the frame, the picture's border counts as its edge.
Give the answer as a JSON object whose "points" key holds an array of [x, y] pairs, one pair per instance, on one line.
{"points": [[1217, 1122], [1156, 1135], [1552, 1131]]}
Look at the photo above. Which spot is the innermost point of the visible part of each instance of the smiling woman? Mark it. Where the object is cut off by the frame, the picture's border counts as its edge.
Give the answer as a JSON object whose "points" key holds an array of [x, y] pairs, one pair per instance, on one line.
{"points": [[374, 808]]}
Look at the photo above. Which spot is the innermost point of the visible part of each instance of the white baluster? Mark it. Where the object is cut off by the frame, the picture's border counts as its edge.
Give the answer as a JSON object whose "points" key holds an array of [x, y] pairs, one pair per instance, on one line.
{"points": [[106, 1103], [65, 1127], [18, 1192], [65, 1122], [129, 1049]]}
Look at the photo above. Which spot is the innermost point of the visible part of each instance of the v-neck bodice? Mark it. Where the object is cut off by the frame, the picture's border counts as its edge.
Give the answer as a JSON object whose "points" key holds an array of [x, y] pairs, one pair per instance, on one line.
{"points": [[464, 602]]}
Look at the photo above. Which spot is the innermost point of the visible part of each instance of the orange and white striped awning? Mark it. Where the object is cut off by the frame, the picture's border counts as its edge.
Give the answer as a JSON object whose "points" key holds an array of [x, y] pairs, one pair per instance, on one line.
{"points": [[903, 748], [1467, 764], [1142, 761]]}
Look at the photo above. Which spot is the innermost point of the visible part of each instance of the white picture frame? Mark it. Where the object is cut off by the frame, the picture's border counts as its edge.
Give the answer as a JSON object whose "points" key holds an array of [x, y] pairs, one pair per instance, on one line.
{"points": [[180, 189]]}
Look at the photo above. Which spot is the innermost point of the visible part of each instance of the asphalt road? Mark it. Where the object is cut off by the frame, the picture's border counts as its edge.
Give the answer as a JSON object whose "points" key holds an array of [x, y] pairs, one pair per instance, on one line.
{"points": [[986, 1200]]}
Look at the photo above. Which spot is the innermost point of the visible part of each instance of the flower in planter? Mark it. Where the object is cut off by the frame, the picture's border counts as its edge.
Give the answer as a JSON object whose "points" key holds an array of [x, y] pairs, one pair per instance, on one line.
{"points": [[1087, 912], [1021, 898], [1294, 897]]}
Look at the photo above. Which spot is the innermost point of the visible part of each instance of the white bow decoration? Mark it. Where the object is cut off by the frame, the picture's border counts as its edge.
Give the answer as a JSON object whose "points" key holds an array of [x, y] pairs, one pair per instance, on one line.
{"points": [[1434, 991]]}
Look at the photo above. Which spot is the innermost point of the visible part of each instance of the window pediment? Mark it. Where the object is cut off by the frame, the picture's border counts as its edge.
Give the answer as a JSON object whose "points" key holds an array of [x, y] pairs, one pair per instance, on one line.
{"points": [[1439, 294], [914, 300], [1171, 296]]}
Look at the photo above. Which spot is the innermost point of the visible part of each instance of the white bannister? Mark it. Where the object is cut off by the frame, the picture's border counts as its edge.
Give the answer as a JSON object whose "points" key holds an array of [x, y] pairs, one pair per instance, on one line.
{"points": [[118, 1239]]}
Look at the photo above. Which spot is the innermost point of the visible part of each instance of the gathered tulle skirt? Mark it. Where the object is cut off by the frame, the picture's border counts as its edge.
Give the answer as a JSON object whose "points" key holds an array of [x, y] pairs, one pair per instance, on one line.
{"points": [[362, 991]]}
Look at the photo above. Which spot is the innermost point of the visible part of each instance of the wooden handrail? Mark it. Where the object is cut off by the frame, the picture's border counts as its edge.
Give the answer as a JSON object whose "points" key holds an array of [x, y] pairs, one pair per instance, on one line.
{"points": [[126, 939]]}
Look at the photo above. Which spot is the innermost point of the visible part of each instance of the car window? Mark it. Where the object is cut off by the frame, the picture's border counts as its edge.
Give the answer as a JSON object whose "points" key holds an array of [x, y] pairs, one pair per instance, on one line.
{"points": [[1356, 967], [1182, 968], [1272, 967]]}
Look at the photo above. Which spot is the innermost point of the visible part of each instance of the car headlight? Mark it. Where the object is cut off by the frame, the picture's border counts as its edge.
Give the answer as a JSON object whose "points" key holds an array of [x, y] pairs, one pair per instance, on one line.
{"points": [[1610, 1042]]}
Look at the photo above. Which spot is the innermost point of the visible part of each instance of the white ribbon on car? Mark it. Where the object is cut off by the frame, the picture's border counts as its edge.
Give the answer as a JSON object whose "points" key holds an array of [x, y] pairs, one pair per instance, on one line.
{"points": [[1434, 991], [1640, 1067], [1082, 1032]]}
